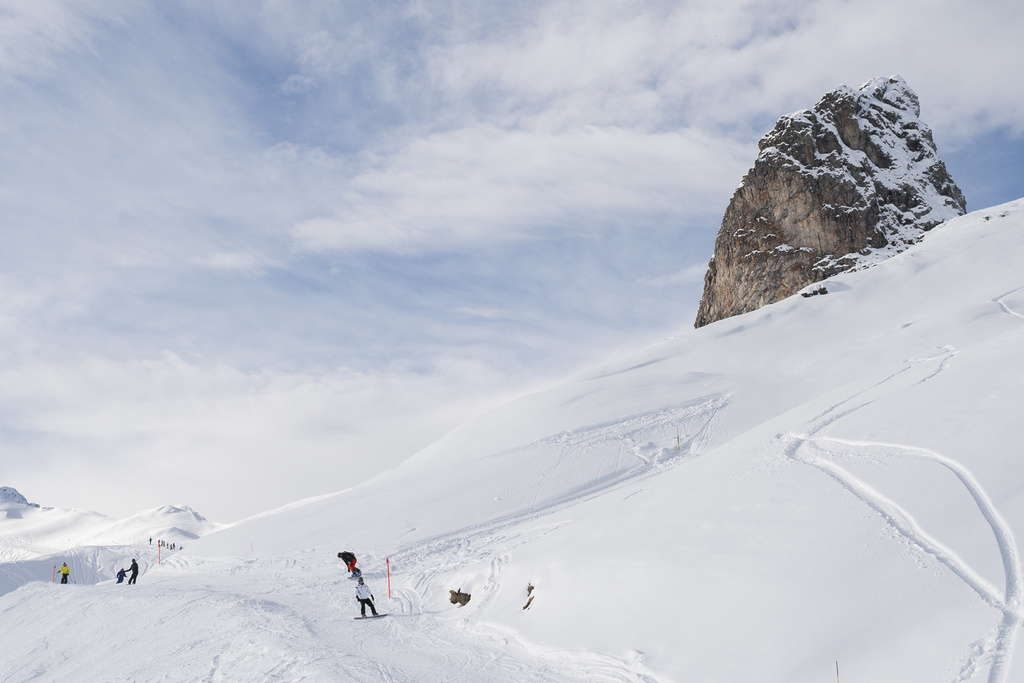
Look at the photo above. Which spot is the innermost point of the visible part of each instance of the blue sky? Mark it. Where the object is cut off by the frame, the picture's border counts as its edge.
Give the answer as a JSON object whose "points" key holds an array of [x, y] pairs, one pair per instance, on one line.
{"points": [[258, 251]]}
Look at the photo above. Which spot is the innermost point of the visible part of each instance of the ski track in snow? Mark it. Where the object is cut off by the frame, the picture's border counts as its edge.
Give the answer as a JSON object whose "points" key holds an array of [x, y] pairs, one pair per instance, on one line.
{"points": [[489, 539], [812, 450], [492, 541], [1004, 306], [642, 444], [571, 449]]}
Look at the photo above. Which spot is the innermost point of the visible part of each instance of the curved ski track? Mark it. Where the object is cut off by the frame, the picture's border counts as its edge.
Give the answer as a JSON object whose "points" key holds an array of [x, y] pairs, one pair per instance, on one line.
{"points": [[811, 449], [1004, 306]]}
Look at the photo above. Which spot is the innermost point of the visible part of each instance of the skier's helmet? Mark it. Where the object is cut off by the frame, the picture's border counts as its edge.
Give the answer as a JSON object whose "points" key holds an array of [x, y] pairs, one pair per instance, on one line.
{"points": [[339, 554]]}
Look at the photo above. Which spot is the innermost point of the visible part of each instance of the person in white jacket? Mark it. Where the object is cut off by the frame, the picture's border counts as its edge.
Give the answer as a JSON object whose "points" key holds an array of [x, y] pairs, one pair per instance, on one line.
{"points": [[365, 598]]}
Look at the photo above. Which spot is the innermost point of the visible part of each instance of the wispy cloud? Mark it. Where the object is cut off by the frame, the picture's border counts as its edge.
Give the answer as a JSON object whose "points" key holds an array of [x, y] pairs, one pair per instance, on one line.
{"points": [[484, 184]]}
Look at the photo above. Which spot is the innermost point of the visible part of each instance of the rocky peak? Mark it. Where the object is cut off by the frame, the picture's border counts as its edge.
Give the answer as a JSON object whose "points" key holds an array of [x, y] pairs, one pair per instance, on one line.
{"points": [[11, 495], [841, 186]]}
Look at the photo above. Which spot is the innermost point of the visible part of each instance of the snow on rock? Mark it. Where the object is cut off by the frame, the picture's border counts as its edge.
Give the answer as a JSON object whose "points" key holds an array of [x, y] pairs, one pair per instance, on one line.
{"points": [[841, 186]]}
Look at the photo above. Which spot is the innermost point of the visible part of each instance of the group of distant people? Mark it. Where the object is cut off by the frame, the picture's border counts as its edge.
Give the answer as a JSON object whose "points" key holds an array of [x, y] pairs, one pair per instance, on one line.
{"points": [[165, 544]]}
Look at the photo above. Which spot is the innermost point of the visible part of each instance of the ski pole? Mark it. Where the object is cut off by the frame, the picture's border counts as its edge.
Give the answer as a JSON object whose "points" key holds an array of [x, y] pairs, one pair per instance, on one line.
{"points": [[389, 577], [837, 671]]}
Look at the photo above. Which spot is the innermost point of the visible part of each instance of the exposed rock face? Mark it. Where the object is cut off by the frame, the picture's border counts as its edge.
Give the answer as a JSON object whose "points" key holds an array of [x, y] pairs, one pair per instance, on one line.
{"points": [[841, 186]]}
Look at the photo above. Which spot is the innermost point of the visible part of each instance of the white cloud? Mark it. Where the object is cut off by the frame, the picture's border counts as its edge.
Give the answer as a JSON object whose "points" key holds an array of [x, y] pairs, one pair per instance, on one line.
{"points": [[229, 442], [34, 36], [234, 261], [688, 275], [484, 184]]}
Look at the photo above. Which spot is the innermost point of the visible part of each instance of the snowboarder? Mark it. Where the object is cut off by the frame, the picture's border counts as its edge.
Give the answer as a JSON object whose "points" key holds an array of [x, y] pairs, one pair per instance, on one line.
{"points": [[350, 562], [64, 571], [365, 597], [134, 570], [121, 574]]}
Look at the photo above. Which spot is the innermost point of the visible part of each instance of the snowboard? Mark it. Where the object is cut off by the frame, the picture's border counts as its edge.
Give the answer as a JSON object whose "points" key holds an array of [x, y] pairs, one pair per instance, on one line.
{"points": [[372, 616]]}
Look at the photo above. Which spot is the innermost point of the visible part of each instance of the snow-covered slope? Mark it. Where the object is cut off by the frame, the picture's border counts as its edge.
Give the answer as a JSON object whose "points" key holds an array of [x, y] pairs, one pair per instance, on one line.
{"points": [[831, 478]]}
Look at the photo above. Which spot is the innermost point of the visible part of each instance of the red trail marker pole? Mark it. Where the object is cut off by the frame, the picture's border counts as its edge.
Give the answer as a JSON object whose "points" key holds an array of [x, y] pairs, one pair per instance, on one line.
{"points": [[389, 577], [54, 579]]}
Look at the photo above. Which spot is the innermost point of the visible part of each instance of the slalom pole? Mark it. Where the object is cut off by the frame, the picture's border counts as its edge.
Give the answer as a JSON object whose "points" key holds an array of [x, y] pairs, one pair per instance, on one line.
{"points": [[837, 671], [54, 579], [389, 577]]}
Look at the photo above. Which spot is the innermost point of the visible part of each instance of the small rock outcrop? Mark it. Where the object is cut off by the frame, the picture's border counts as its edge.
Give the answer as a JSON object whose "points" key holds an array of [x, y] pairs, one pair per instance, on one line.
{"points": [[841, 186]]}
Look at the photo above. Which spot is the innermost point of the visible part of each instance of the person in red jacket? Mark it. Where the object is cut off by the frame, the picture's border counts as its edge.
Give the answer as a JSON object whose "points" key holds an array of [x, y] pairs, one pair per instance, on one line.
{"points": [[350, 562]]}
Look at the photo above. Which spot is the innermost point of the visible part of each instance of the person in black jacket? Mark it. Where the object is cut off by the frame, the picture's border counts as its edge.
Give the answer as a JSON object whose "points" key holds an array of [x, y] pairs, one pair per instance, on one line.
{"points": [[365, 597], [134, 570]]}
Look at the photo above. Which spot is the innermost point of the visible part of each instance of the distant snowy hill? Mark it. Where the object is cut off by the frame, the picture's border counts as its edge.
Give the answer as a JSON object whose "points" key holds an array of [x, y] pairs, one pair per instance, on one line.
{"points": [[34, 538], [829, 478]]}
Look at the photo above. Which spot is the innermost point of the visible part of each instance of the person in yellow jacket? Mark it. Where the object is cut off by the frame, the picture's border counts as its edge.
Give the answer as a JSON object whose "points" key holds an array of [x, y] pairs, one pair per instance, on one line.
{"points": [[64, 571]]}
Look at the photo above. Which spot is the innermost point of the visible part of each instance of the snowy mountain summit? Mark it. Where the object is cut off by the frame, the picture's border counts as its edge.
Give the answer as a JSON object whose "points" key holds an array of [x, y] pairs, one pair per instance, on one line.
{"points": [[841, 186], [11, 495]]}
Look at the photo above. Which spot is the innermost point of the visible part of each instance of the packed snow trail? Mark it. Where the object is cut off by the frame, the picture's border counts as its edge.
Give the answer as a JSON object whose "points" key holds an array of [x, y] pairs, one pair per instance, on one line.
{"points": [[280, 618], [290, 617]]}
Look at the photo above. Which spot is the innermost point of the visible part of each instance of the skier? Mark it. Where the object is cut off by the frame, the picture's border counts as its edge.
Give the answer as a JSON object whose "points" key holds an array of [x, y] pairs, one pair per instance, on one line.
{"points": [[365, 597], [121, 574], [350, 562], [134, 570], [64, 571]]}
